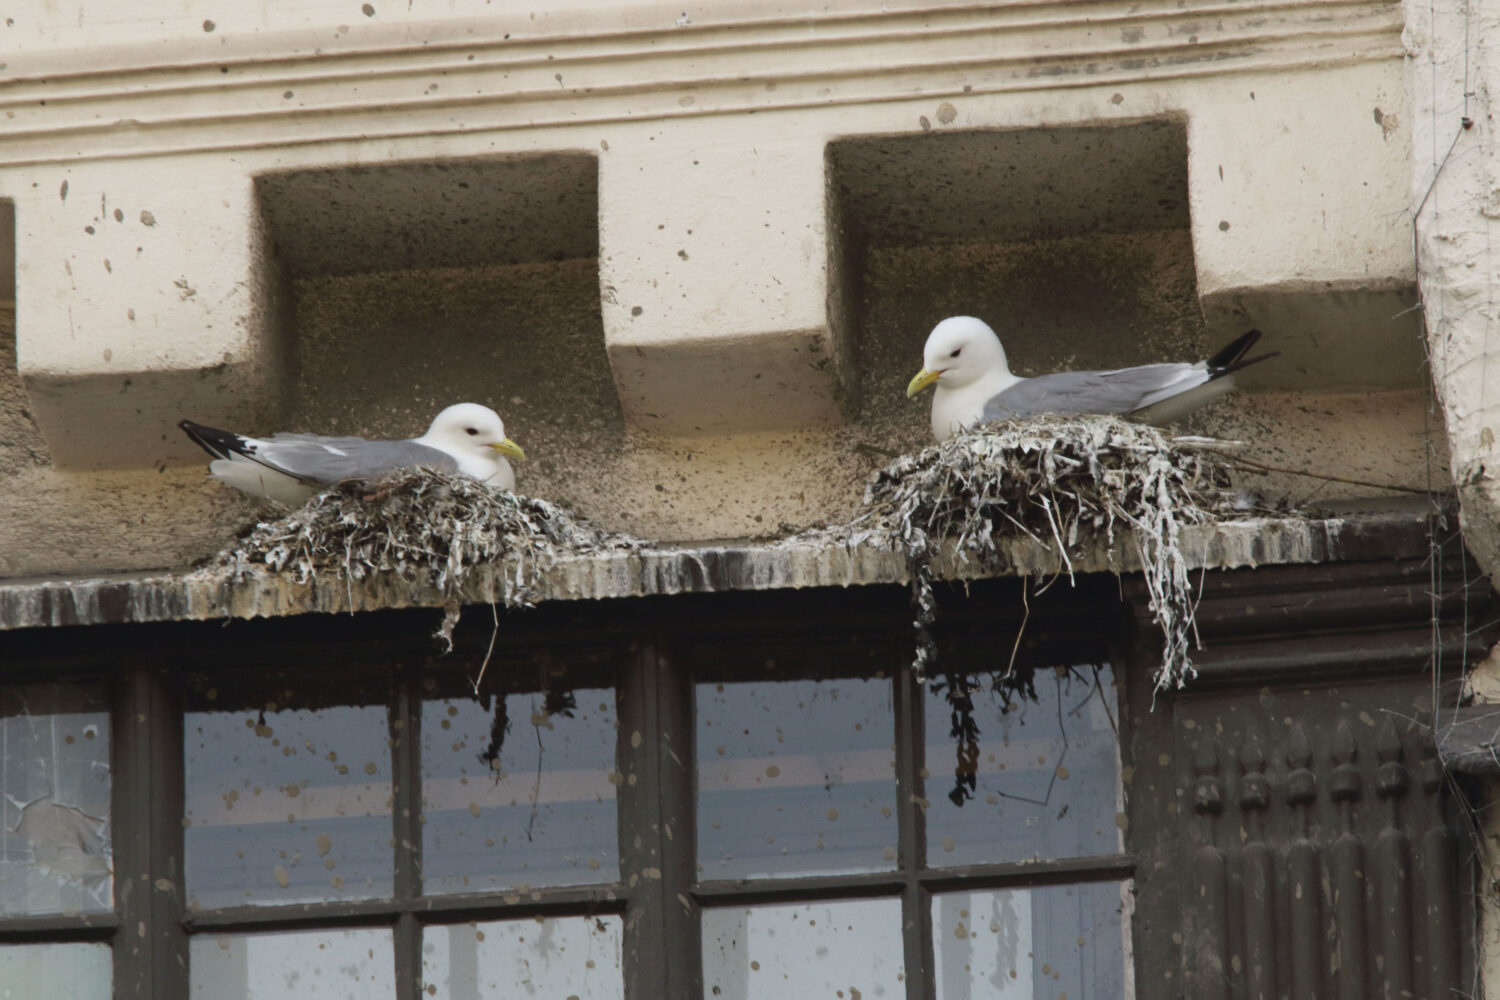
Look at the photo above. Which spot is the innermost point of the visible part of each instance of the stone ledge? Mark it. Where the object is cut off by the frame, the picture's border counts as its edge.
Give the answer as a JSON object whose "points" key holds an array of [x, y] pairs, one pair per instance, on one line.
{"points": [[212, 592]]}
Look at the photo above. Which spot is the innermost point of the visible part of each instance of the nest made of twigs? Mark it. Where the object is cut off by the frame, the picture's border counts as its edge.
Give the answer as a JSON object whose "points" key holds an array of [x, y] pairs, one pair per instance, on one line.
{"points": [[1064, 482], [422, 521]]}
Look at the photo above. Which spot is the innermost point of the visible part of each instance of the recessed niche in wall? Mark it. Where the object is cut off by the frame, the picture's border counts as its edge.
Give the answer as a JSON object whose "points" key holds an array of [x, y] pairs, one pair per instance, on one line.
{"points": [[416, 285], [1073, 243]]}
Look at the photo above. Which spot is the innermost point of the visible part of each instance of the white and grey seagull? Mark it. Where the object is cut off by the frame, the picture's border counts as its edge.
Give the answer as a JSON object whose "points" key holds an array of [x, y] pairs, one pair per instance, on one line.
{"points": [[963, 357], [466, 438]]}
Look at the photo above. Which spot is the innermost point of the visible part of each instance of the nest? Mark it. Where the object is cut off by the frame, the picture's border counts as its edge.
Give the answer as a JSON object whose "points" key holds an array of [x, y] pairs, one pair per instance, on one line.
{"points": [[1062, 483], [424, 522]]}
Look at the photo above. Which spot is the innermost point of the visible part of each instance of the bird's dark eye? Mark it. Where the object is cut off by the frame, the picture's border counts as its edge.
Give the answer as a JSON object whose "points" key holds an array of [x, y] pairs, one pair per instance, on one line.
{"points": [[471, 431], [956, 352]]}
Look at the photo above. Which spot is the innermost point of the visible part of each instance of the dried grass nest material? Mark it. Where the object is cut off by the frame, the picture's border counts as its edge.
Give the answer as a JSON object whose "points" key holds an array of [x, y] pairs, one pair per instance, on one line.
{"points": [[1064, 483], [421, 521]]}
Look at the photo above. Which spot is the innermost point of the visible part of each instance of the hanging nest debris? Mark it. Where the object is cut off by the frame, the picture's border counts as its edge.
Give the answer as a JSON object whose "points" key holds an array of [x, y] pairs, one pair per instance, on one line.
{"points": [[424, 522], [1061, 483]]}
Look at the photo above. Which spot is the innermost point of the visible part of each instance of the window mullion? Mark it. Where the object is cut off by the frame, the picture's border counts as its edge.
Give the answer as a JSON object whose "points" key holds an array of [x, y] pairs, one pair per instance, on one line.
{"points": [[662, 952], [406, 813], [150, 951], [916, 903], [677, 774]]}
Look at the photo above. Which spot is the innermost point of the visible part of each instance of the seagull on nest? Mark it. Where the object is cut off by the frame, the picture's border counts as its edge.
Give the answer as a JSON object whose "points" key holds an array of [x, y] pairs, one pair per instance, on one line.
{"points": [[963, 357], [466, 438]]}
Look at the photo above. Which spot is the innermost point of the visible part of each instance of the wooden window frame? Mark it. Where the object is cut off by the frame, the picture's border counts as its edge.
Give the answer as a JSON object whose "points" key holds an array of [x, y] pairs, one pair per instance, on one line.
{"points": [[1402, 603]]}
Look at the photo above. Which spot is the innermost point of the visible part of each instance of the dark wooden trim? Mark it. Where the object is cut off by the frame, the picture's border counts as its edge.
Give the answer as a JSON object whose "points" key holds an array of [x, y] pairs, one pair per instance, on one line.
{"points": [[1108, 868], [151, 950], [677, 820], [406, 814], [911, 829], [796, 890], [662, 950], [59, 927], [406, 945], [644, 941], [579, 900]]}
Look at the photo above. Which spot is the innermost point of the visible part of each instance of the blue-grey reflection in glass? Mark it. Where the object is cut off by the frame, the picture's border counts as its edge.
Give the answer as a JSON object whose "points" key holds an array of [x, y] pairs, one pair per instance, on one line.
{"points": [[1010, 944], [841, 948], [352, 964], [1047, 776], [54, 799], [541, 813], [795, 777], [288, 798]]}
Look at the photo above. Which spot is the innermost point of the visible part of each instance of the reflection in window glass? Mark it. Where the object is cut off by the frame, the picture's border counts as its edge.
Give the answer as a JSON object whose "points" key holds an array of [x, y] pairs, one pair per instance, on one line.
{"points": [[1055, 941], [539, 812], [795, 777], [849, 948], [501, 959], [55, 972], [1048, 773], [288, 797], [54, 799], [315, 965]]}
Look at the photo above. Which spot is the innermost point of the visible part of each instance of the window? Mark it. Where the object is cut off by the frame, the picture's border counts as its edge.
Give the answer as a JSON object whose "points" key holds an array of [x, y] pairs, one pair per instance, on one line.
{"points": [[716, 795]]}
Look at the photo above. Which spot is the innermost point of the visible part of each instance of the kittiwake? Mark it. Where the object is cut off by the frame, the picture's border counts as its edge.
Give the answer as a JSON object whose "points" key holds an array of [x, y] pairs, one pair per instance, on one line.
{"points": [[963, 357], [466, 438]]}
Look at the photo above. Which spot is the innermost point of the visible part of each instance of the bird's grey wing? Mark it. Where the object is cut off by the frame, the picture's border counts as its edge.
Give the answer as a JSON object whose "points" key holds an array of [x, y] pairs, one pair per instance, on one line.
{"points": [[1121, 390], [313, 458]]}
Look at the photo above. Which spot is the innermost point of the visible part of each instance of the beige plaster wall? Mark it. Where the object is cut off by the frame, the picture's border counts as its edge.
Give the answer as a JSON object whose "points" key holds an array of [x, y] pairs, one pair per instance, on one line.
{"points": [[690, 258]]}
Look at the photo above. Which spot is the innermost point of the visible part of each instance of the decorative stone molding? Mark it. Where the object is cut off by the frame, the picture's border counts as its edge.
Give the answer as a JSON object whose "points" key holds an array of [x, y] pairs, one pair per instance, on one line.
{"points": [[472, 76]]}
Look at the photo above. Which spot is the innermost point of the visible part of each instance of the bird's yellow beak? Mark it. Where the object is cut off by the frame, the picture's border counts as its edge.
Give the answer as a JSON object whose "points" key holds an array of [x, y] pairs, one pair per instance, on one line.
{"points": [[510, 449], [922, 380]]}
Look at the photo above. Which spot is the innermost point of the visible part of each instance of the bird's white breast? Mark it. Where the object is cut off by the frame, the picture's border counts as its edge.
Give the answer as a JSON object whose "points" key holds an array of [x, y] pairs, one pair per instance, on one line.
{"points": [[955, 409]]}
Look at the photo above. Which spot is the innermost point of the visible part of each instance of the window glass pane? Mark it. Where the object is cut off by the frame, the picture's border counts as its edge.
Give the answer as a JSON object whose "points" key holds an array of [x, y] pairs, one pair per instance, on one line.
{"points": [[1055, 941], [796, 771], [1047, 776], [326, 965], [55, 972], [502, 959], [518, 788], [288, 790], [54, 799], [848, 948]]}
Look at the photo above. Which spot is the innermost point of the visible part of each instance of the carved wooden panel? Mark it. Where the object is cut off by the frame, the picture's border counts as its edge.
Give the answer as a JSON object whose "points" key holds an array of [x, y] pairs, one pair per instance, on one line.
{"points": [[1317, 854]]}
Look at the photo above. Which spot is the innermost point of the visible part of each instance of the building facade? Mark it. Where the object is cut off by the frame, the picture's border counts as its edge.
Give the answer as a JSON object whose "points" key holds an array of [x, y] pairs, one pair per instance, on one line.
{"points": [[691, 257]]}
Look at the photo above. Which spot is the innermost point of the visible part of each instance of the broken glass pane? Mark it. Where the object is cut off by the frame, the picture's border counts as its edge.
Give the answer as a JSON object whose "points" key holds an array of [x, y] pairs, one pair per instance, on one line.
{"points": [[55, 972], [845, 949], [1056, 941], [1046, 772], [299, 965], [288, 790], [518, 787], [54, 799], [576, 957], [796, 772]]}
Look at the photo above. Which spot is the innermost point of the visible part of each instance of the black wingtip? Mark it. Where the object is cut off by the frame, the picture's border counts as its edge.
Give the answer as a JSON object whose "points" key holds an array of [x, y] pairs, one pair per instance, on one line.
{"points": [[1231, 357], [212, 440], [1234, 350]]}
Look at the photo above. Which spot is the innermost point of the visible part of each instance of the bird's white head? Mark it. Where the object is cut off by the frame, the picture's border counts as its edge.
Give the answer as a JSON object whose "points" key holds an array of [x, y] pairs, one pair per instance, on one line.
{"points": [[960, 350], [475, 436]]}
